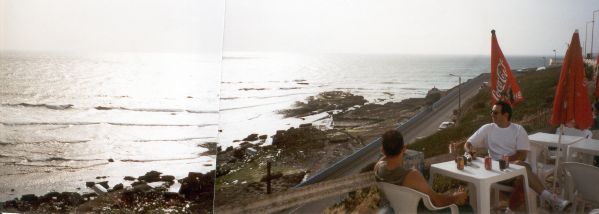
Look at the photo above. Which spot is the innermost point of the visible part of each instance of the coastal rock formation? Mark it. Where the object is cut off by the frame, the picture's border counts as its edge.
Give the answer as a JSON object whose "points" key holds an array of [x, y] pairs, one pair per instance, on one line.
{"points": [[195, 196], [295, 152], [324, 101]]}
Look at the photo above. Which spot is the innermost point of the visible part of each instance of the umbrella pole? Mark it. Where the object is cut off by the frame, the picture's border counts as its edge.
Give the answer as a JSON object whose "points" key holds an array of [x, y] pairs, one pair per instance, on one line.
{"points": [[558, 155]]}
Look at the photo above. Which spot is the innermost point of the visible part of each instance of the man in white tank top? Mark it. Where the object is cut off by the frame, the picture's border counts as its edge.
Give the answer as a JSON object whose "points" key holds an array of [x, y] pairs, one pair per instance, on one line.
{"points": [[505, 138]]}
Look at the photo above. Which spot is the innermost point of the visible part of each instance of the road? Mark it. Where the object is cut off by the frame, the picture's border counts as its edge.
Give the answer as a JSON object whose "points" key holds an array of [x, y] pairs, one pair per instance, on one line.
{"points": [[427, 125]]}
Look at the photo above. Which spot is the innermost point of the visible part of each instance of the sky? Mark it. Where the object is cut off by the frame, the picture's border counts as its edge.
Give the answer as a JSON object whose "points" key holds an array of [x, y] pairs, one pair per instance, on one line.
{"points": [[532, 27], [176, 26]]}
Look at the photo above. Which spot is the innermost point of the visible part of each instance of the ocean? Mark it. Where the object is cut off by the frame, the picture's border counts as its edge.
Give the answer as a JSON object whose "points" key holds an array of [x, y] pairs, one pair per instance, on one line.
{"points": [[62, 117], [255, 86]]}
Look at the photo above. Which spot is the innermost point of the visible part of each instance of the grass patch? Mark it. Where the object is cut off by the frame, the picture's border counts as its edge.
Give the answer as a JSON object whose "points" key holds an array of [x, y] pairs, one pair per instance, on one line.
{"points": [[533, 113]]}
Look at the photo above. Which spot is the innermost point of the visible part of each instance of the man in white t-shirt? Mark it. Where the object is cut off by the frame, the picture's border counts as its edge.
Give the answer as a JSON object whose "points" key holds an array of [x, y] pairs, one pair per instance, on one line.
{"points": [[505, 138]]}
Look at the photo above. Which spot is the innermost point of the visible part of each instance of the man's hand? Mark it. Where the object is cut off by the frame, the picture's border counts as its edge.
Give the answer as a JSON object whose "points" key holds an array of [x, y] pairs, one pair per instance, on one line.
{"points": [[460, 197]]}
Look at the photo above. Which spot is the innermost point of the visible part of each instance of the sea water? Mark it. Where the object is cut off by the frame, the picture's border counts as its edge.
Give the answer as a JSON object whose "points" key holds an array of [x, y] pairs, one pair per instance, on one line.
{"points": [[62, 117], [256, 86]]}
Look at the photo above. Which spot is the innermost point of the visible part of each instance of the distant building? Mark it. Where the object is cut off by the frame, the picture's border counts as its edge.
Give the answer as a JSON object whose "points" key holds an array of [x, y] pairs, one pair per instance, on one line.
{"points": [[553, 61]]}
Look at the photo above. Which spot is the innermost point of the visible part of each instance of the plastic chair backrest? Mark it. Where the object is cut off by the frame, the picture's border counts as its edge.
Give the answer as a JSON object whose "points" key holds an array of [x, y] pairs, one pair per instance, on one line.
{"points": [[405, 200], [585, 180], [576, 132]]}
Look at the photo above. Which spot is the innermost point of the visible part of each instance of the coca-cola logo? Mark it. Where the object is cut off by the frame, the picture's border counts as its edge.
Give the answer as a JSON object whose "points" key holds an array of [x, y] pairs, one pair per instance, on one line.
{"points": [[501, 82]]}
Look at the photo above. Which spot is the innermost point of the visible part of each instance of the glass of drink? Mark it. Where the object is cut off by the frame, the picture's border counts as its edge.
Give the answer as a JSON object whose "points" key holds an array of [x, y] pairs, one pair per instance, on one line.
{"points": [[460, 162], [502, 164], [488, 163]]}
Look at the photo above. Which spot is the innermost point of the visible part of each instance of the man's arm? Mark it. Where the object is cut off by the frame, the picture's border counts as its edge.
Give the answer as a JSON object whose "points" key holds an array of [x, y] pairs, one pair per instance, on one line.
{"points": [[520, 155], [416, 181], [467, 146]]}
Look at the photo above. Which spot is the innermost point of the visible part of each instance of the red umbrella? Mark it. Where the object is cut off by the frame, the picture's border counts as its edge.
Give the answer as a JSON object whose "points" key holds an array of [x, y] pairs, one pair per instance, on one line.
{"points": [[503, 84], [597, 77], [571, 103]]}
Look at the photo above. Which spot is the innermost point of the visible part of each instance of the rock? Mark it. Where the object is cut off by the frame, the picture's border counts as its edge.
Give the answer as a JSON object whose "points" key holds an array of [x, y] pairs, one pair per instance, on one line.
{"points": [[104, 184], [304, 125], [29, 198], [250, 151], [90, 184], [251, 137], [12, 190], [138, 183], [117, 187], [263, 137], [150, 177], [142, 187], [197, 186], [167, 178], [173, 196], [90, 195], [338, 138], [71, 198], [52, 195], [110, 160], [129, 178], [239, 153]]}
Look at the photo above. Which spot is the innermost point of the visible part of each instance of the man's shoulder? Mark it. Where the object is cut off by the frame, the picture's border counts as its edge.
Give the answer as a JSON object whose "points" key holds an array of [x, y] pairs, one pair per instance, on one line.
{"points": [[517, 126]]}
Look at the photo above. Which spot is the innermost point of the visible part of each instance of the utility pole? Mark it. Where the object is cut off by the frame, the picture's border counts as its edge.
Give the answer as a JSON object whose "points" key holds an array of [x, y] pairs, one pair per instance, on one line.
{"points": [[459, 95], [593, 31], [586, 35]]}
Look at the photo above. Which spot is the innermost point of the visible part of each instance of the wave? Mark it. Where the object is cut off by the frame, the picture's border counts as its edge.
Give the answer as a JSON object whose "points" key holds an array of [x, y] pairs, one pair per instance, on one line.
{"points": [[174, 140], [105, 108], [48, 106], [97, 123], [252, 89], [229, 98], [156, 160], [4, 143], [393, 83], [289, 88], [61, 159]]}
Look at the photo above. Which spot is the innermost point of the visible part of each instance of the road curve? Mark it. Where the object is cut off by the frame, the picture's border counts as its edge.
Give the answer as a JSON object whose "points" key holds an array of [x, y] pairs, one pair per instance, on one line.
{"points": [[421, 126]]}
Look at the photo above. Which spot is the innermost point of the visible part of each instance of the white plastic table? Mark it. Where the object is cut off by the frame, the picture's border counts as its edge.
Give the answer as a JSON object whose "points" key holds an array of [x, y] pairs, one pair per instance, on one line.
{"points": [[546, 139], [542, 140], [482, 179], [587, 146]]}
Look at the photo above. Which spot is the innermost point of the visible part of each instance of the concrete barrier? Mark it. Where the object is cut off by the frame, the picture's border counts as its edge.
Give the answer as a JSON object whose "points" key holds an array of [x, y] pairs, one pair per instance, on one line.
{"points": [[291, 198]]}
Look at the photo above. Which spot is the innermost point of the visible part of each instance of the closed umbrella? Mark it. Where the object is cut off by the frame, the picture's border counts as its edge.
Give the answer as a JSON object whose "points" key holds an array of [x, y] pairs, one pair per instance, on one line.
{"points": [[571, 104]]}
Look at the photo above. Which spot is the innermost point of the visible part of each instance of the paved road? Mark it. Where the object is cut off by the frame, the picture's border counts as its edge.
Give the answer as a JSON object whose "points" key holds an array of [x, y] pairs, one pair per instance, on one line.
{"points": [[426, 126]]}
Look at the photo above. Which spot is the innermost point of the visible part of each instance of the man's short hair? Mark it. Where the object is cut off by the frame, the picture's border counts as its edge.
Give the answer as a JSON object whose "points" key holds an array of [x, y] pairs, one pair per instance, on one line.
{"points": [[392, 142], [505, 107]]}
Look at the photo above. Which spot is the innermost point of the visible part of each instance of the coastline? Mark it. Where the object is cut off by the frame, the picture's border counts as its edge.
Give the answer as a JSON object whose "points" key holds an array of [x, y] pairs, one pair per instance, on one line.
{"points": [[299, 152]]}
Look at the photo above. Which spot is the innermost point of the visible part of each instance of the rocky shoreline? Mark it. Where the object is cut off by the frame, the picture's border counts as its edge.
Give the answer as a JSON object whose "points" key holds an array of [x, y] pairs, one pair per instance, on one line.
{"points": [[147, 193], [151, 192], [297, 153]]}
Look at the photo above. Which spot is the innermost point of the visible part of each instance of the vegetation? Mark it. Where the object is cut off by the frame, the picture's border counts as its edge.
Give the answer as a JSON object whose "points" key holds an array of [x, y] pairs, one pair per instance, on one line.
{"points": [[533, 113]]}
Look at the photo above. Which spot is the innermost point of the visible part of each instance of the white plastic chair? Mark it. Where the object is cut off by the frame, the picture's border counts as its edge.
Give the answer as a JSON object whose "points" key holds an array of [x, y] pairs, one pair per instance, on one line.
{"points": [[583, 177], [543, 169], [405, 200]]}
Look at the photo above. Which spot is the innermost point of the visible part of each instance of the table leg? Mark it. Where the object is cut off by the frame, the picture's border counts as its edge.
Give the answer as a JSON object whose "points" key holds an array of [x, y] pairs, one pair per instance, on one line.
{"points": [[431, 176], [483, 192], [472, 195], [529, 196]]}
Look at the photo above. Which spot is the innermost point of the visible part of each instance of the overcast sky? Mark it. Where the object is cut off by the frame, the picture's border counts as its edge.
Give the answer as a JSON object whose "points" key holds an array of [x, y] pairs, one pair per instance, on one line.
{"points": [[534, 27], [182, 26]]}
